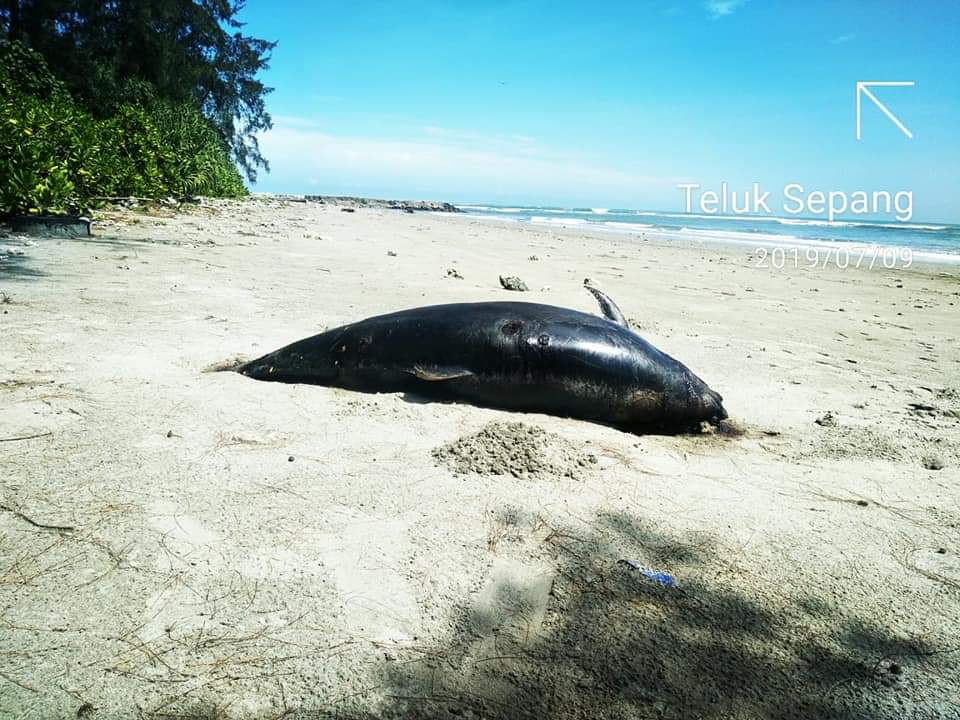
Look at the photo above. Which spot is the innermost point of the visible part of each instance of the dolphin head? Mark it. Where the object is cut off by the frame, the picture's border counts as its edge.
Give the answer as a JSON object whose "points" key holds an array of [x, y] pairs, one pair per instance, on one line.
{"points": [[314, 360], [690, 399]]}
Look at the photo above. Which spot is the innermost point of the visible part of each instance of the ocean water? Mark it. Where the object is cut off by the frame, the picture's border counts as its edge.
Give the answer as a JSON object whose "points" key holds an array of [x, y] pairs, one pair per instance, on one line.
{"points": [[923, 241]]}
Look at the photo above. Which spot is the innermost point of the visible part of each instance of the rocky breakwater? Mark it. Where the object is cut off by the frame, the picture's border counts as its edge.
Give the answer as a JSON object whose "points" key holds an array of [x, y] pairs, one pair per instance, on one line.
{"points": [[405, 205]]}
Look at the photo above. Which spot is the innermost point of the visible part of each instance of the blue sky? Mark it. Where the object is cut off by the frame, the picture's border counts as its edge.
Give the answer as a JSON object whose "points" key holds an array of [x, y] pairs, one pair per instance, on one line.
{"points": [[609, 104]]}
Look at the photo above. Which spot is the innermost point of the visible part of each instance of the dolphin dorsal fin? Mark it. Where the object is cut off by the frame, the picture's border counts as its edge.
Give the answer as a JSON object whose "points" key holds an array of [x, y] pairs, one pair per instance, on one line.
{"points": [[607, 306]]}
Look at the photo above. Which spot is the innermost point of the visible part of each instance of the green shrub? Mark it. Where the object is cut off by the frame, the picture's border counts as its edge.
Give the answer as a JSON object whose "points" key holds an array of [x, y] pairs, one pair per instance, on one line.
{"points": [[25, 71], [55, 157], [200, 160]]}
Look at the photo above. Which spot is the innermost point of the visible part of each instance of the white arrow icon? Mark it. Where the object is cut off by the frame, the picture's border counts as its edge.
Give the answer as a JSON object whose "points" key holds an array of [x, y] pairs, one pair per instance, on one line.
{"points": [[862, 90]]}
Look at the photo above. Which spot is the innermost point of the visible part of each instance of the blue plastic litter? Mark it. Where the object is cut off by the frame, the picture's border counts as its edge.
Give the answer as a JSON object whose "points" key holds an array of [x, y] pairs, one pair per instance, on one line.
{"points": [[665, 579]]}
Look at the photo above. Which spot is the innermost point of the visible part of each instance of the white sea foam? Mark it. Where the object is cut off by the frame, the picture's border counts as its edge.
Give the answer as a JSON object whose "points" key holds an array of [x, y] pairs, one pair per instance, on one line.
{"points": [[473, 216], [540, 219], [739, 237], [490, 208], [851, 223], [792, 241], [588, 218], [801, 221], [899, 226], [627, 226], [650, 213], [796, 221]]}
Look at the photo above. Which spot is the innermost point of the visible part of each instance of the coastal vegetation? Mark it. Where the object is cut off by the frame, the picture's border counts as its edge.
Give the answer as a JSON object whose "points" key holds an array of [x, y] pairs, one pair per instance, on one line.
{"points": [[146, 98]]}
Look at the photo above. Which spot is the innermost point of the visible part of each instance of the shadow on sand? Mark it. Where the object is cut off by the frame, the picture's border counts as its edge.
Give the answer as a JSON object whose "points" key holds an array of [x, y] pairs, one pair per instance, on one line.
{"points": [[16, 264], [601, 640]]}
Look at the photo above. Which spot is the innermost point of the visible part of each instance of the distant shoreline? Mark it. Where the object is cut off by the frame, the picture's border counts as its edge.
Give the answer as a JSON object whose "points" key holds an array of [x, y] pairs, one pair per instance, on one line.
{"points": [[351, 201]]}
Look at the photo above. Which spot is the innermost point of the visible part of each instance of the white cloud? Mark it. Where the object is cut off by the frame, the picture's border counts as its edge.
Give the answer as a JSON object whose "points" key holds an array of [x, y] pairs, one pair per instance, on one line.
{"points": [[840, 39], [722, 8], [293, 121], [446, 164]]}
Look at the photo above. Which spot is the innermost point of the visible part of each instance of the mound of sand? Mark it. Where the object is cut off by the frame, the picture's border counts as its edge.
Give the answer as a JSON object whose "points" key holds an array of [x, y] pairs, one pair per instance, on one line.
{"points": [[513, 448]]}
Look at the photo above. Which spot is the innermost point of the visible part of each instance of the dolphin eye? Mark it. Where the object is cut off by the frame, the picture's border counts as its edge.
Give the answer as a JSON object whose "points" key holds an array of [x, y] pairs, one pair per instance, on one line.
{"points": [[511, 327]]}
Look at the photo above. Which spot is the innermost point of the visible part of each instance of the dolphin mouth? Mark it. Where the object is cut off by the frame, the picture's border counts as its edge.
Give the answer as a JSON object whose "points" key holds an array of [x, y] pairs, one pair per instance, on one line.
{"points": [[713, 405], [256, 369]]}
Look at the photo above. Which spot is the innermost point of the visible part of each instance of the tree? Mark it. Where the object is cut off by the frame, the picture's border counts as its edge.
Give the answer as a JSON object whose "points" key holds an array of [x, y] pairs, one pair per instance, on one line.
{"points": [[184, 51]]}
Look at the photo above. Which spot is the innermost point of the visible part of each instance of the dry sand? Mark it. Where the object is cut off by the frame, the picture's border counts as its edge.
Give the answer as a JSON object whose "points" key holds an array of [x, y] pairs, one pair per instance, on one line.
{"points": [[175, 543]]}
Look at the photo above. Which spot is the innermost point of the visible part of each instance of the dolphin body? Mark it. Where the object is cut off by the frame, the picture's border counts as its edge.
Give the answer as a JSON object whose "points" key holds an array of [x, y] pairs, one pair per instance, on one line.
{"points": [[511, 355]]}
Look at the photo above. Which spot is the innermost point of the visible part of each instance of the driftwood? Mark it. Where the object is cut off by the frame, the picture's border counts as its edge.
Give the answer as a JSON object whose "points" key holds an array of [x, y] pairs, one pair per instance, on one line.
{"points": [[31, 521], [25, 437]]}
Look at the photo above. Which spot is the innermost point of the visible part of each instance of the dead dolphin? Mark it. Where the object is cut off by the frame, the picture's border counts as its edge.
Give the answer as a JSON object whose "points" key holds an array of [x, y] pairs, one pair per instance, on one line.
{"points": [[511, 355]]}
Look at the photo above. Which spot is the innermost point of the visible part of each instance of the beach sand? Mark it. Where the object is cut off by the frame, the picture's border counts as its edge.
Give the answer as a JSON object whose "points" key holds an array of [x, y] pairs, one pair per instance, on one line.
{"points": [[190, 544]]}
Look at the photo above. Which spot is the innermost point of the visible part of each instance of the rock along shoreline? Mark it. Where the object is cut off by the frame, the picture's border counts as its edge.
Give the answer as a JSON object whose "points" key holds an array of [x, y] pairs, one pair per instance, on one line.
{"points": [[361, 202]]}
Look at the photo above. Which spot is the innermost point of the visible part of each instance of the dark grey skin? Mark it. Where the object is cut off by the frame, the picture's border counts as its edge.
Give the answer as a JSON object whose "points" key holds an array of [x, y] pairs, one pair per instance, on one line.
{"points": [[512, 355]]}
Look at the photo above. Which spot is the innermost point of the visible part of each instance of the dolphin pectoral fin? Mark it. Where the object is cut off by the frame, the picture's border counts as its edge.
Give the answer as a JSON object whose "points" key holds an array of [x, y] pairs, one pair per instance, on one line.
{"points": [[607, 306], [439, 373]]}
